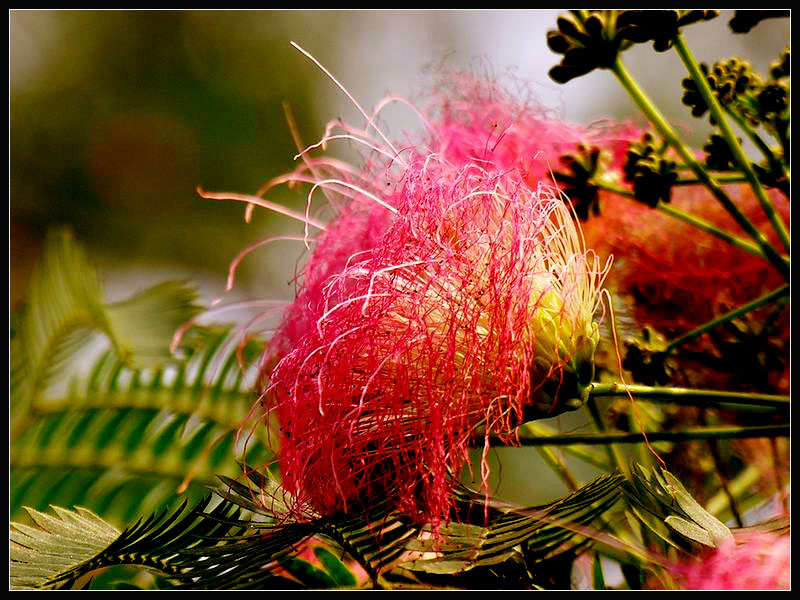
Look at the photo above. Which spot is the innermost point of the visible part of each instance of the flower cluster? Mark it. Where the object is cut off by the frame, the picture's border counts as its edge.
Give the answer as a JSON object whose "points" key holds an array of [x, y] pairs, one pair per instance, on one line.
{"points": [[451, 296], [449, 299], [677, 278]]}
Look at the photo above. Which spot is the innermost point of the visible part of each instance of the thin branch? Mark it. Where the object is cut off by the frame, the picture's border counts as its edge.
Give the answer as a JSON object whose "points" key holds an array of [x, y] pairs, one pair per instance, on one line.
{"points": [[667, 132], [686, 435], [716, 111], [691, 396], [729, 316]]}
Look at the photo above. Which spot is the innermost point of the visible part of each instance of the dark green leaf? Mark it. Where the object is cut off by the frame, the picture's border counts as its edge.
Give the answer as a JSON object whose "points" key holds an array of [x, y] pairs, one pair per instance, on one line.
{"points": [[307, 573], [341, 575], [598, 580]]}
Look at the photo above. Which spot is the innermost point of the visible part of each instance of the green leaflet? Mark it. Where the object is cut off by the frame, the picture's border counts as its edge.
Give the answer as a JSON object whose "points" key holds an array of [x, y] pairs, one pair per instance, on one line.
{"points": [[690, 530], [57, 544], [531, 535], [308, 574], [143, 326], [658, 498], [342, 576], [715, 528], [599, 582]]}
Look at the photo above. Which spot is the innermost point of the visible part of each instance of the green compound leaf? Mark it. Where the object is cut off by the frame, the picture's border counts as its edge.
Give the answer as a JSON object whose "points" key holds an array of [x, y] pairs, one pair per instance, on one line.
{"points": [[529, 535], [243, 540], [125, 441], [217, 544], [144, 325], [658, 499], [102, 414], [65, 311], [57, 544], [64, 297]]}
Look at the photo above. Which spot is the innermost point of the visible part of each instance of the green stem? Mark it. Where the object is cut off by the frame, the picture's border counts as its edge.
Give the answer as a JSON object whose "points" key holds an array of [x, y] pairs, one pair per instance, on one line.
{"points": [[776, 471], [722, 472], [711, 228], [694, 221], [588, 455], [737, 487], [228, 409], [737, 312], [724, 483], [695, 397], [716, 111], [666, 131], [558, 467], [783, 137], [756, 139], [686, 435], [149, 467], [614, 453], [718, 179], [729, 176]]}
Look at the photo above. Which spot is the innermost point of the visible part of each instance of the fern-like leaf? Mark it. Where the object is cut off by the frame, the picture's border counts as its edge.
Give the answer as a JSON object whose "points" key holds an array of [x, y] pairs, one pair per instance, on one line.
{"points": [[101, 414], [57, 544], [65, 305], [664, 506], [244, 539], [125, 441], [530, 536]]}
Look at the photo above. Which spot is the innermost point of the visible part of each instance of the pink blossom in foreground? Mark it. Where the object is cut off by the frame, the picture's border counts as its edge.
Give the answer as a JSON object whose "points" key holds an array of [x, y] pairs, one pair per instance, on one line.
{"points": [[751, 560], [447, 300], [473, 122]]}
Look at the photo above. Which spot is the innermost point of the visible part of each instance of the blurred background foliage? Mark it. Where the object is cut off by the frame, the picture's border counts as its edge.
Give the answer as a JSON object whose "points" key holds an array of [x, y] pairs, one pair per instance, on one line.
{"points": [[117, 116]]}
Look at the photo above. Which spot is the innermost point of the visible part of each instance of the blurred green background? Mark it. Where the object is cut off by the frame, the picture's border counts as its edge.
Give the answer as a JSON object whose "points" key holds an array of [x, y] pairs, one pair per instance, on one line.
{"points": [[117, 116]]}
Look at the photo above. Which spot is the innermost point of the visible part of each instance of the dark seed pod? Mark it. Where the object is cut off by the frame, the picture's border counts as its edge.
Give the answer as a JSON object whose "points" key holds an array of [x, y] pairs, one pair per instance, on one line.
{"points": [[659, 26], [720, 157], [744, 20], [587, 42]]}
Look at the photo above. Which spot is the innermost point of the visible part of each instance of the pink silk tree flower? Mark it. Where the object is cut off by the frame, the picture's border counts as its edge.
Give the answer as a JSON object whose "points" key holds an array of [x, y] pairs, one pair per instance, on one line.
{"points": [[671, 263], [751, 560], [478, 121], [674, 276], [472, 122], [678, 277], [465, 307]]}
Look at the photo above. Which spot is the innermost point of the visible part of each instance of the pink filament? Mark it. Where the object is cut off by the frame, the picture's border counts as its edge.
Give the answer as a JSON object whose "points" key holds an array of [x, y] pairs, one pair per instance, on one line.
{"points": [[751, 560], [419, 338], [420, 328]]}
